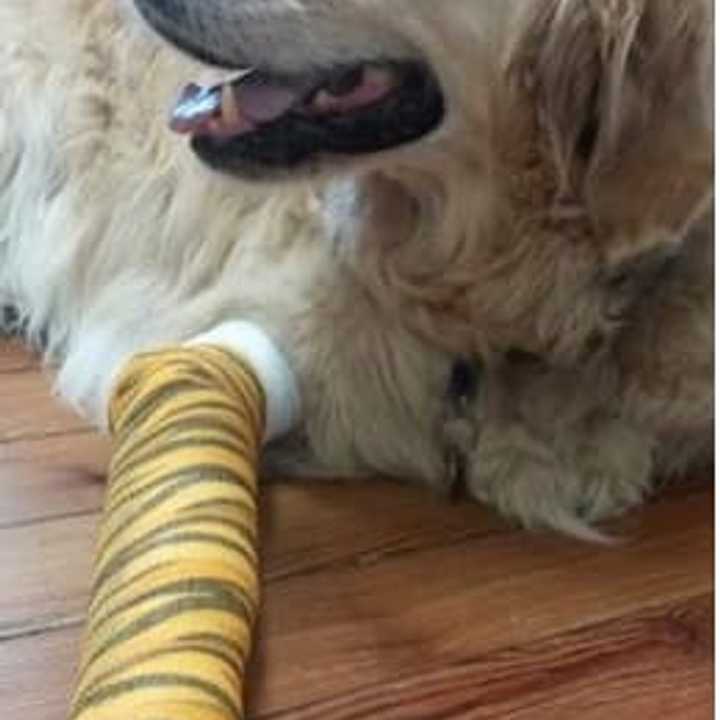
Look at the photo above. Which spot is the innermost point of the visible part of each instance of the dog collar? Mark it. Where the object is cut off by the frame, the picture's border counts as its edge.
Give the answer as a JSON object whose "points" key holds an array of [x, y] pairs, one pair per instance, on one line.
{"points": [[459, 430]]}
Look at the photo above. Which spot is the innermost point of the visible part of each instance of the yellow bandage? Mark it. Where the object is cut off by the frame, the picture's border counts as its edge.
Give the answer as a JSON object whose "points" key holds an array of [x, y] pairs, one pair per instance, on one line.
{"points": [[176, 588]]}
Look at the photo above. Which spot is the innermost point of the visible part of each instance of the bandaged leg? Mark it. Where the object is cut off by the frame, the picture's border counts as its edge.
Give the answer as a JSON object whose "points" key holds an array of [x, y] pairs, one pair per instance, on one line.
{"points": [[175, 592]]}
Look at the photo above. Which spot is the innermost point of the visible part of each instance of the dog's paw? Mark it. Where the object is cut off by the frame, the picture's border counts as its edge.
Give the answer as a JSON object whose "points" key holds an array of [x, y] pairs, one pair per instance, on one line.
{"points": [[607, 472], [614, 466]]}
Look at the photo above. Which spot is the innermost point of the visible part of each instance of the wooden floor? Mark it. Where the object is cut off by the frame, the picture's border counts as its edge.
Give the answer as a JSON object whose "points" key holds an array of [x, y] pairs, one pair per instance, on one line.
{"points": [[381, 602]]}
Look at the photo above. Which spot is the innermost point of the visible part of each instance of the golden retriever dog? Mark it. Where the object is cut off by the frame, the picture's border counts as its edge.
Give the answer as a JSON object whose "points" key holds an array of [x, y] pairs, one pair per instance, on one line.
{"points": [[480, 230]]}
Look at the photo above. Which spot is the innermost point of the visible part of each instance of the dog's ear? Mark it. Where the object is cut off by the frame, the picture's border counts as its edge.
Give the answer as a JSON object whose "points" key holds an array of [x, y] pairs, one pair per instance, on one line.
{"points": [[625, 95], [604, 70]]}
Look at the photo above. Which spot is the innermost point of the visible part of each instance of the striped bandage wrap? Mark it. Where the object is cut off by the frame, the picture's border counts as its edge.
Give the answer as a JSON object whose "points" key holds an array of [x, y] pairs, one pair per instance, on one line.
{"points": [[175, 590]]}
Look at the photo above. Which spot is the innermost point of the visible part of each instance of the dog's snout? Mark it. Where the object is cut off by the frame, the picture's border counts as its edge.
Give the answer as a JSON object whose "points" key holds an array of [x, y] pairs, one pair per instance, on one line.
{"points": [[164, 13], [282, 36], [188, 26], [169, 8]]}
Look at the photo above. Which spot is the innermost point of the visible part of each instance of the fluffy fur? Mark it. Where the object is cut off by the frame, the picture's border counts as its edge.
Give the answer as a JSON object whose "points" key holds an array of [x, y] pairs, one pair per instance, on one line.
{"points": [[556, 227]]}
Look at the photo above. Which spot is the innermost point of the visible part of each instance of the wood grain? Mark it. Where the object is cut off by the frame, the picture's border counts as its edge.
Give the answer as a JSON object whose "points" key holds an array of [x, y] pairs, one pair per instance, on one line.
{"points": [[380, 601], [51, 478], [15, 358], [29, 411], [654, 663], [36, 674], [366, 622]]}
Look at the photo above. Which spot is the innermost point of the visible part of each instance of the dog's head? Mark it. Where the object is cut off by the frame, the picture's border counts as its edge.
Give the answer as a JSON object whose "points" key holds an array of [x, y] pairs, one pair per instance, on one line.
{"points": [[572, 134]]}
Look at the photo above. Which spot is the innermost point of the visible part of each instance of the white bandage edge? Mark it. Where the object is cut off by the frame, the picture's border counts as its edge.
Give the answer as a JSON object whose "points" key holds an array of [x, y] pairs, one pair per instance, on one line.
{"points": [[253, 344]]}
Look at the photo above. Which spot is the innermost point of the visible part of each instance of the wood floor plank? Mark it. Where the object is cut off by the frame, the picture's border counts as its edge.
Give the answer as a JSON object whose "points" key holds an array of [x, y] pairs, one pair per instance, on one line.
{"points": [[367, 552], [653, 664], [51, 477], [37, 494], [36, 675], [370, 615], [369, 622], [14, 357], [85, 450], [28, 410], [45, 573], [310, 528]]}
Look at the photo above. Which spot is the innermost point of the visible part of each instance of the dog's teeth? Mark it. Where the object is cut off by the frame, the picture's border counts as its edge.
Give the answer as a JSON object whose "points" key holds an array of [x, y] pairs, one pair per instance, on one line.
{"points": [[230, 119], [230, 113], [194, 107]]}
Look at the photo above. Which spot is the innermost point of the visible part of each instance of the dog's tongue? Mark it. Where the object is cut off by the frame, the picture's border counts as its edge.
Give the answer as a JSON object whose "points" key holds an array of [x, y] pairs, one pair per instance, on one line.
{"points": [[232, 108]]}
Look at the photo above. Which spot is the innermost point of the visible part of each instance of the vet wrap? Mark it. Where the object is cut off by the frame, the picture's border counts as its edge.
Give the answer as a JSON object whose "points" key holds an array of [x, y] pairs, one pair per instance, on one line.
{"points": [[176, 589]]}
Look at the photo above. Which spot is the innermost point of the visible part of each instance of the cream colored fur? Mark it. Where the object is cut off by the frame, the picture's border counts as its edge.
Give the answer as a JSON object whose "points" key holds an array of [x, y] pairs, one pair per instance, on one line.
{"points": [[562, 210]]}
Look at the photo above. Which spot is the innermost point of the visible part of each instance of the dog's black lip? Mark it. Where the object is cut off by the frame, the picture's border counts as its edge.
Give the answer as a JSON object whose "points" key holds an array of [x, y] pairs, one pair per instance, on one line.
{"points": [[295, 140]]}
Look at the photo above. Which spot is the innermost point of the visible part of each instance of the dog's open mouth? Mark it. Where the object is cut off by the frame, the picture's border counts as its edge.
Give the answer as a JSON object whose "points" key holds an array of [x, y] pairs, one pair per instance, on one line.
{"points": [[261, 120]]}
